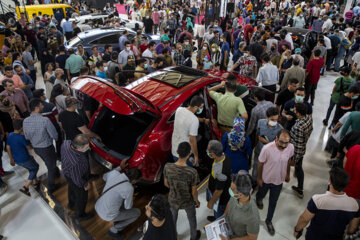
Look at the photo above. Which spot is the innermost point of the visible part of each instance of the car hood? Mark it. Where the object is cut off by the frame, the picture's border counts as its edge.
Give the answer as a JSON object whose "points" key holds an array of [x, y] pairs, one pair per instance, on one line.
{"points": [[120, 100]]}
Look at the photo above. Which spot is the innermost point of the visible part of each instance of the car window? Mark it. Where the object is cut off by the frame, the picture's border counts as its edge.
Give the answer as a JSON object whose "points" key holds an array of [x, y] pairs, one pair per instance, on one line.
{"points": [[58, 9], [110, 39], [130, 36], [69, 11]]}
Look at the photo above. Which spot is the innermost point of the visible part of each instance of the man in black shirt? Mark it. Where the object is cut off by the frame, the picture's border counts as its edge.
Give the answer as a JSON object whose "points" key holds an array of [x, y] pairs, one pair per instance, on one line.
{"points": [[160, 224], [217, 193], [60, 59], [346, 103], [287, 94], [107, 54], [71, 121], [148, 24]]}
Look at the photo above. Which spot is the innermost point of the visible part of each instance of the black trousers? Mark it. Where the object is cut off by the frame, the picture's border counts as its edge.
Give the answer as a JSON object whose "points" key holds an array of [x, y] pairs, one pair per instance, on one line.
{"points": [[68, 35], [33, 75], [48, 155], [77, 197], [271, 88], [310, 91]]}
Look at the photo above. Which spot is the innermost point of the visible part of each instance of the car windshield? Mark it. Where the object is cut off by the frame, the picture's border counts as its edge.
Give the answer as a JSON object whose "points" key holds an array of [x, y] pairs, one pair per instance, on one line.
{"points": [[74, 41]]}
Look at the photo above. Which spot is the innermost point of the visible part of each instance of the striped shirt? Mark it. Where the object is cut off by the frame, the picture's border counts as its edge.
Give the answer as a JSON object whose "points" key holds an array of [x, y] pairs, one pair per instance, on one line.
{"points": [[332, 214], [39, 131], [74, 164]]}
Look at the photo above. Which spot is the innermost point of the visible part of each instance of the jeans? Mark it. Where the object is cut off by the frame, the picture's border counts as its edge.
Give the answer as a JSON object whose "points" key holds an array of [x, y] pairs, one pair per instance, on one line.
{"points": [[32, 166], [310, 90], [124, 218], [220, 211], [331, 107], [274, 196], [338, 58], [255, 164], [299, 173], [191, 215], [330, 60], [77, 197], [48, 155]]}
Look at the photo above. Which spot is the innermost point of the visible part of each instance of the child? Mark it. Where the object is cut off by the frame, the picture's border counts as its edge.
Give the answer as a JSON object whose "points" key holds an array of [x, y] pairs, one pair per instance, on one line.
{"points": [[17, 147], [207, 63]]}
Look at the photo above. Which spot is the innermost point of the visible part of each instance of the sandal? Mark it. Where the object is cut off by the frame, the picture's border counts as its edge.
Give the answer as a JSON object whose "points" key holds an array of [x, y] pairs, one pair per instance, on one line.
{"points": [[37, 185], [25, 190]]}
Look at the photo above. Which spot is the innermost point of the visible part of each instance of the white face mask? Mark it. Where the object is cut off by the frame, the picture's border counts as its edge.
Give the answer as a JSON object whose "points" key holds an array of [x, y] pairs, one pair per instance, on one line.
{"points": [[147, 17], [105, 69], [272, 123], [204, 48], [128, 48], [245, 54], [285, 57], [213, 49], [186, 43]]}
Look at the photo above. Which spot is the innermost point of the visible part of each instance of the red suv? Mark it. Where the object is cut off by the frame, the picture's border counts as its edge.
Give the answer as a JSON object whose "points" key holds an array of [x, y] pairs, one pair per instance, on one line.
{"points": [[136, 123]]}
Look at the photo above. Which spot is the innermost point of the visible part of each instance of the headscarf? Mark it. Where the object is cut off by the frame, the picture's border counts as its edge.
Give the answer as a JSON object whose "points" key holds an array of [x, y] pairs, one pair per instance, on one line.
{"points": [[214, 45], [236, 137], [189, 24]]}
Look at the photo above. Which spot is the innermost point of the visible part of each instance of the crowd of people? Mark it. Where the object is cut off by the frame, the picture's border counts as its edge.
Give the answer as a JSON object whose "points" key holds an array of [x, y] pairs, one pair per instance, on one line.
{"points": [[251, 40]]}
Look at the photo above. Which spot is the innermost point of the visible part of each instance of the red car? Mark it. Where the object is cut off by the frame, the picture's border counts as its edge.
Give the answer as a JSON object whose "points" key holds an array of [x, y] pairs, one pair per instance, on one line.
{"points": [[136, 123]]}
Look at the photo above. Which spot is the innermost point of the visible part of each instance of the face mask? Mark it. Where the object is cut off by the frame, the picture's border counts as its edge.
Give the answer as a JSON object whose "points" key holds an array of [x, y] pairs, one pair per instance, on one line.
{"points": [[354, 97], [145, 66], [299, 98], [285, 57], [245, 54], [204, 48], [207, 152], [147, 17], [272, 48], [128, 48], [200, 111], [215, 26], [105, 69], [6, 103], [272, 123], [186, 43], [232, 194], [213, 49], [30, 27]]}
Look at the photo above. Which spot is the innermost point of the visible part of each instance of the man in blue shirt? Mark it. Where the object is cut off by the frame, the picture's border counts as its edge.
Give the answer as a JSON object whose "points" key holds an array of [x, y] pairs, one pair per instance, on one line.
{"points": [[68, 29], [101, 70], [17, 148], [26, 79], [225, 53], [122, 40]]}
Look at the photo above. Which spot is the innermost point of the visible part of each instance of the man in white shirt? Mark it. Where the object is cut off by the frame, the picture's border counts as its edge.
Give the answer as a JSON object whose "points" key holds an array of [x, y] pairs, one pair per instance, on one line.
{"points": [[149, 52], [268, 74], [356, 59], [271, 41], [209, 35], [298, 55], [186, 126], [327, 24]]}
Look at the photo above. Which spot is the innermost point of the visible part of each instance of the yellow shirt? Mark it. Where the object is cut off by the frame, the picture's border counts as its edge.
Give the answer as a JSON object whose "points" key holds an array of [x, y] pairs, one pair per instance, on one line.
{"points": [[8, 61]]}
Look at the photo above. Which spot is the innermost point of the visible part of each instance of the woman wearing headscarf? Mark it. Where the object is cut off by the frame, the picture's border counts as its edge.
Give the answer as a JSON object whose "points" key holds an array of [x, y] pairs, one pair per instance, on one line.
{"points": [[237, 146], [6, 106], [202, 53], [189, 24], [215, 55]]}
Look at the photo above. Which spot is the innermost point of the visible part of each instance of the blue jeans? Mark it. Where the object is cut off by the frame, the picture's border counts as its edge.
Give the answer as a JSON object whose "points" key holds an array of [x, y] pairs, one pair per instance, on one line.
{"points": [[220, 211], [338, 58], [273, 198], [32, 166], [331, 107]]}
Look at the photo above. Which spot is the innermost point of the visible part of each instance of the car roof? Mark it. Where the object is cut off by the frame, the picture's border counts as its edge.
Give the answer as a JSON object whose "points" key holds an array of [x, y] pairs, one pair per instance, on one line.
{"points": [[160, 92], [302, 31], [99, 31]]}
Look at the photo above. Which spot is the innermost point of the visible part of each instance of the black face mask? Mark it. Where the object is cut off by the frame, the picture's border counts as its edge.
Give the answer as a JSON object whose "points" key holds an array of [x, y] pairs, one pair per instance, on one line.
{"points": [[272, 48], [6, 103]]}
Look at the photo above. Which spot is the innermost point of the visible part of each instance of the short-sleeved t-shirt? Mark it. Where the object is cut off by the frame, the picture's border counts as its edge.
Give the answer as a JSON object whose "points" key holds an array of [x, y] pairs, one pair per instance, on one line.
{"points": [[27, 57], [225, 47], [343, 106], [186, 124], [248, 29], [71, 121], [181, 180], [332, 214], [284, 96], [342, 86], [229, 106], [352, 167], [269, 132], [275, 162], [289, 108], [243, 219], [222, 181], [166, 231], [18, 144]]}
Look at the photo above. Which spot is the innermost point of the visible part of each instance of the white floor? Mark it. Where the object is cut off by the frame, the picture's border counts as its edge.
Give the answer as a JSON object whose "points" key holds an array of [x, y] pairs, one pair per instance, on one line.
{"points": [[23, 217]]}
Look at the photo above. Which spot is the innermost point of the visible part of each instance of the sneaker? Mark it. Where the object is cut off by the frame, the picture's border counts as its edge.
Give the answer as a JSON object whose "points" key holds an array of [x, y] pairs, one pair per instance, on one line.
{"points": [[211, 218], [270, 228], [85, 216], [325, 122], [117, 235], [198, 234], [3, 188], [259, 204], [298, 192]]}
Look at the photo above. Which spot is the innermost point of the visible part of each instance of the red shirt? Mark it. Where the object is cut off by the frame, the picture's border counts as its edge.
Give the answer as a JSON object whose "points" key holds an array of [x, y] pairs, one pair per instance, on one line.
{"points": [[143, 47], [313, 68], [248, 29], [352, 167]]}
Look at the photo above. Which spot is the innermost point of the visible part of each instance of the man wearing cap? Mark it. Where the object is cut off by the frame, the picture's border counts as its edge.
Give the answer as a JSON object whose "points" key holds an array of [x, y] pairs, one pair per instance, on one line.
{"points": [[123, 56], [241, 212], [298, 55]]}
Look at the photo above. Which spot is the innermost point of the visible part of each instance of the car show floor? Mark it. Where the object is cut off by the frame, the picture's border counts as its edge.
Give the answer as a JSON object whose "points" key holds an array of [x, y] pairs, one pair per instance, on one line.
{"points": [[39, 216]]}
